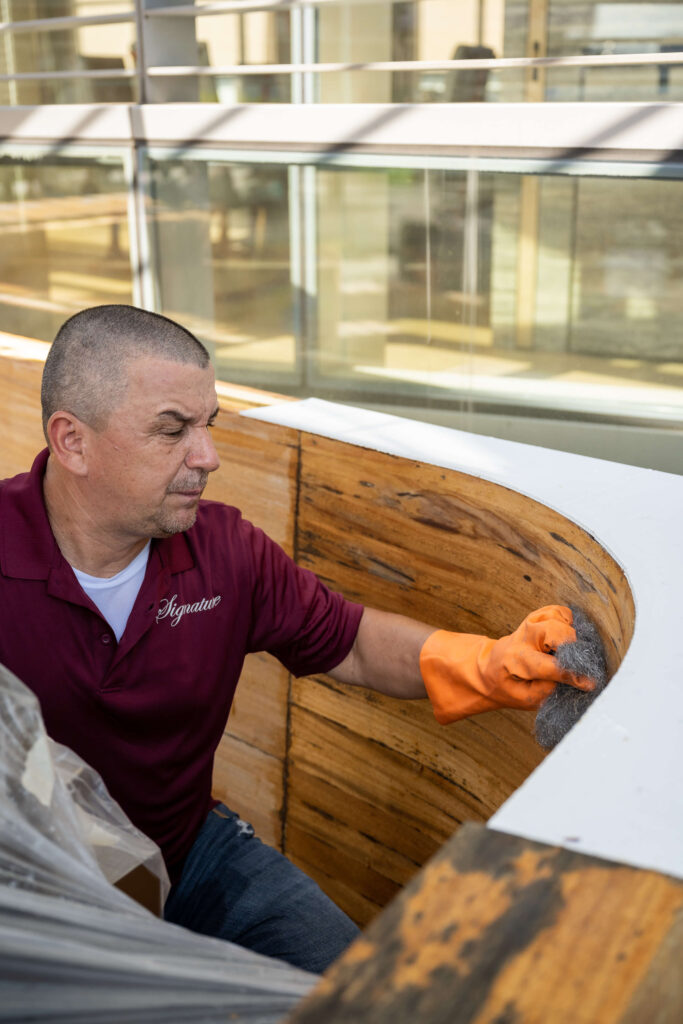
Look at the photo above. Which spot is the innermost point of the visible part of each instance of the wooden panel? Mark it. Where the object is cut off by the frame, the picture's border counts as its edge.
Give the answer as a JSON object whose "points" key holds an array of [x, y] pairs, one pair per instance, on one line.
{"points": [[381, 785], [259, 711], [249, 781], [20, 419], [449, 548], [501, 930], [258, 474], [460, 553]]}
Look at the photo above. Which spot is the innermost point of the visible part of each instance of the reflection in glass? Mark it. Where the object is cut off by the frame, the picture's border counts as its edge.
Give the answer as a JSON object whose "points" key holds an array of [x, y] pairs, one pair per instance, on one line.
{"points": [[428, 30], [99, 47], [436, 30], [256, 37], [349, 32], [411, 298], [64, 227], [454, 290], [221, 249], [433, 287], [589, 28]]}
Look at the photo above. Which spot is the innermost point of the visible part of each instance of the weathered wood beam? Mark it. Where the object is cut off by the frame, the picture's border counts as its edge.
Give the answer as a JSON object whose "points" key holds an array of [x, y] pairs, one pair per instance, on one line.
{"points": [[501, 930]]}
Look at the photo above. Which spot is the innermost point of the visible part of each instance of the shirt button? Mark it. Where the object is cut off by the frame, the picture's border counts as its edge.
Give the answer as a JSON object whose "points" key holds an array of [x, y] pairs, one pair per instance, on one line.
{"points": [[106, 638]]}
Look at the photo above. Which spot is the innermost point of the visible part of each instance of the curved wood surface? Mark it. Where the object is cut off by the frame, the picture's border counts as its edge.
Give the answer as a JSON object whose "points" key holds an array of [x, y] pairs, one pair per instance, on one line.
{"points": [[358, 789], [362, 790]]}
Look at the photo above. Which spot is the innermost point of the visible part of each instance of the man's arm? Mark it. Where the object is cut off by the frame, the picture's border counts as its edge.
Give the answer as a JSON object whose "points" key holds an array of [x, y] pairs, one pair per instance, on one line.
{"points": [[462, 674], [386, 655]]}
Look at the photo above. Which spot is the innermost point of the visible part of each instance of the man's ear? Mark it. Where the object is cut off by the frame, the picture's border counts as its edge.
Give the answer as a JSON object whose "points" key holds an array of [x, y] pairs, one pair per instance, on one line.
{"points": [[67, 438]]}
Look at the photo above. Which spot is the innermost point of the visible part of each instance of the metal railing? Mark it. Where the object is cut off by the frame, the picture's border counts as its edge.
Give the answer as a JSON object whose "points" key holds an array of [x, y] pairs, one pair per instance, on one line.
{"points": [[143, 18]]}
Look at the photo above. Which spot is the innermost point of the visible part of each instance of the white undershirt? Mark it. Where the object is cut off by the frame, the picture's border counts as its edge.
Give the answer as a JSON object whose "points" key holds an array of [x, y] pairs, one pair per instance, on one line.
{"points": [[115, 595]]}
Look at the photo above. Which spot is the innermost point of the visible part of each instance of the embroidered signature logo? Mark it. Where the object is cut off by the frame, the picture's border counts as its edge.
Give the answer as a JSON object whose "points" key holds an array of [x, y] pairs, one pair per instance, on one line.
{"points": [[169, 609]]}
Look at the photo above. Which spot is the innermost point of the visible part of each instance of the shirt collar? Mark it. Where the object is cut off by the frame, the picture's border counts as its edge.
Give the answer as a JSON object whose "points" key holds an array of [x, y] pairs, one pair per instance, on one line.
{"points": [[28, 549]]}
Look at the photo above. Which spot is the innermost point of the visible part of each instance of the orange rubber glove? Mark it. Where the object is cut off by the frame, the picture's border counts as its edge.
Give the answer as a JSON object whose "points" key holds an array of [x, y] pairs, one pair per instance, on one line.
{"points": [[466, 674]]}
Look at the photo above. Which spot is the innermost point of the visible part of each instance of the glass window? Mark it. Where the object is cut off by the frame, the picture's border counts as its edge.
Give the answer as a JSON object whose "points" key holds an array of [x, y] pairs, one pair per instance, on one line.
{"points": [[256, 37], [222, 262], [353, 33], [99, 47], [64, 225], [501, 292], [424, 30], [588, 28], [451, 289]]}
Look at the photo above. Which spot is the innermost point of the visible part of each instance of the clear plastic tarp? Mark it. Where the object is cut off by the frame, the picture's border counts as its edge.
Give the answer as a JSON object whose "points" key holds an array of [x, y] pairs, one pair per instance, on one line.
{"points": [[73, 947]]}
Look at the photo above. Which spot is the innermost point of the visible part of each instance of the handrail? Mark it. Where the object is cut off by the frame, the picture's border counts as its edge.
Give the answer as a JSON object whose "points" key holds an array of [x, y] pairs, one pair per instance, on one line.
{"points": [[595, 60], [68, 21]]}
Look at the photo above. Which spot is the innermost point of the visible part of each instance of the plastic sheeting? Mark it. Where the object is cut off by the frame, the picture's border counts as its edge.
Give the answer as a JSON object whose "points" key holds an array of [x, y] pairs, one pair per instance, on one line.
{"points": [[72, 946]]}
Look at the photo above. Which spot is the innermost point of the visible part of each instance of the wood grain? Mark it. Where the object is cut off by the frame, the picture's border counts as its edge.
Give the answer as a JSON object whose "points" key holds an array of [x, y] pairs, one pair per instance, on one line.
{"points": [[258, 474], [501, 930], [20, 418], [373, 786], [250, 782], [449, 547], [460, 553]]}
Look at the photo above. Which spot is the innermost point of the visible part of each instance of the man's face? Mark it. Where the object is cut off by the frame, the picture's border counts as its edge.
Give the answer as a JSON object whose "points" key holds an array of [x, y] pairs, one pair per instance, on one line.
{"points": [[147, 468]]}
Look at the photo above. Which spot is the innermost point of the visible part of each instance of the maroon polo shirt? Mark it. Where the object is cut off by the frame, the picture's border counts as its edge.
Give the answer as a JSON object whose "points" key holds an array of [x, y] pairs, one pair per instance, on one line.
{"points": [[148, 712]]}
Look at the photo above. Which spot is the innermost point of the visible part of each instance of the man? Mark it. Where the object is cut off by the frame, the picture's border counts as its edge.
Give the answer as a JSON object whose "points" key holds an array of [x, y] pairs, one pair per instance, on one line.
{"points": [[128, 605]]}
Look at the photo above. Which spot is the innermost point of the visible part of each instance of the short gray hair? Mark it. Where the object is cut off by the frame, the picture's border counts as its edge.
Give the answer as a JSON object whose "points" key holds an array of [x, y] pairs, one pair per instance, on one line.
{"points": [[85, 370]]}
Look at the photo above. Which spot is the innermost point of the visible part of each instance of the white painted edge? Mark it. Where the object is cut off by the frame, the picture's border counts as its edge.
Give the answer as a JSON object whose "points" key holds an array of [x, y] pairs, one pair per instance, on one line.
{"points": [[613, 787], [595, 129]]}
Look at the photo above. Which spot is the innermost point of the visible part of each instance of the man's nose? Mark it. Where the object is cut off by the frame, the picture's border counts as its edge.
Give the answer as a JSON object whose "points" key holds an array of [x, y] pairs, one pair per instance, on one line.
{"points": [[202, 453]]}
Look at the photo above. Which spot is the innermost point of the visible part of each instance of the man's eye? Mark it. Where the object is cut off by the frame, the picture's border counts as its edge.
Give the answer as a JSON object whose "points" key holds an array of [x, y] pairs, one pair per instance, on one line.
{"points": [[174, 433]]}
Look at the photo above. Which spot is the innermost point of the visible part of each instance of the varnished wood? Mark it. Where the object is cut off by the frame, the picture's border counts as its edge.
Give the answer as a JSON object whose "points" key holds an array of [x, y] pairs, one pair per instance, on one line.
{"points": [[373, 786], [20, 419], [250, 781], [501, 930], [448, 547], [259, 467], [460, 553], [258, 475]]}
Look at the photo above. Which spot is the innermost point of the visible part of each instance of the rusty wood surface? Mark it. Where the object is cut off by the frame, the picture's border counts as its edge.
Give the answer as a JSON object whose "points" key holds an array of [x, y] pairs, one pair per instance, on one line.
{"points": [[501, 930]]}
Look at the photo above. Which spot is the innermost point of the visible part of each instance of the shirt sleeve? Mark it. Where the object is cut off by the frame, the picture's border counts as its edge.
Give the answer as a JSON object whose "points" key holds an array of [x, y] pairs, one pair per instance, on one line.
{"points": [[295, 617]]}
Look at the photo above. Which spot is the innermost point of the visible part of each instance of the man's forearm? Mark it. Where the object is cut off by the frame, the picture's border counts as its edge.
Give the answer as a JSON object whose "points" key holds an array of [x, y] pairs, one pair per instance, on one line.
{"points": [[386, 655], [462, 674]]}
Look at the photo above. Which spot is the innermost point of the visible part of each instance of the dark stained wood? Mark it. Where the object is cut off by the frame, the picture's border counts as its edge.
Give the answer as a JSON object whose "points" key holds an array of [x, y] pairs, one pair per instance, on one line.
{"points": [[501, 930]]}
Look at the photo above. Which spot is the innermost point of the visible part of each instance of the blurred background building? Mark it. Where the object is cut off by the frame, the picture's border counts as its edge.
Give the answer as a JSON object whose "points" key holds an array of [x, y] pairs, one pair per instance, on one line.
{"points": [[512, 288]]}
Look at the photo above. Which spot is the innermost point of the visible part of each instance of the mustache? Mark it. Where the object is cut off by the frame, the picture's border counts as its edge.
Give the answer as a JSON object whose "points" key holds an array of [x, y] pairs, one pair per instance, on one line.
{"points": [[195, 483]]}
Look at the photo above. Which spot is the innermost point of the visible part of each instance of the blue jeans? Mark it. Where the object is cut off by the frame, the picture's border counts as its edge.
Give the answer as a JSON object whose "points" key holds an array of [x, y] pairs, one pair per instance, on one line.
{"points": [[235, 887]]}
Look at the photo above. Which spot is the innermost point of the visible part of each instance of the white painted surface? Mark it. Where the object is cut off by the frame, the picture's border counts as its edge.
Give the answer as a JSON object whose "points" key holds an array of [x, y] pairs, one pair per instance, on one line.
{"points": [[634, 131], [614, 786]]}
